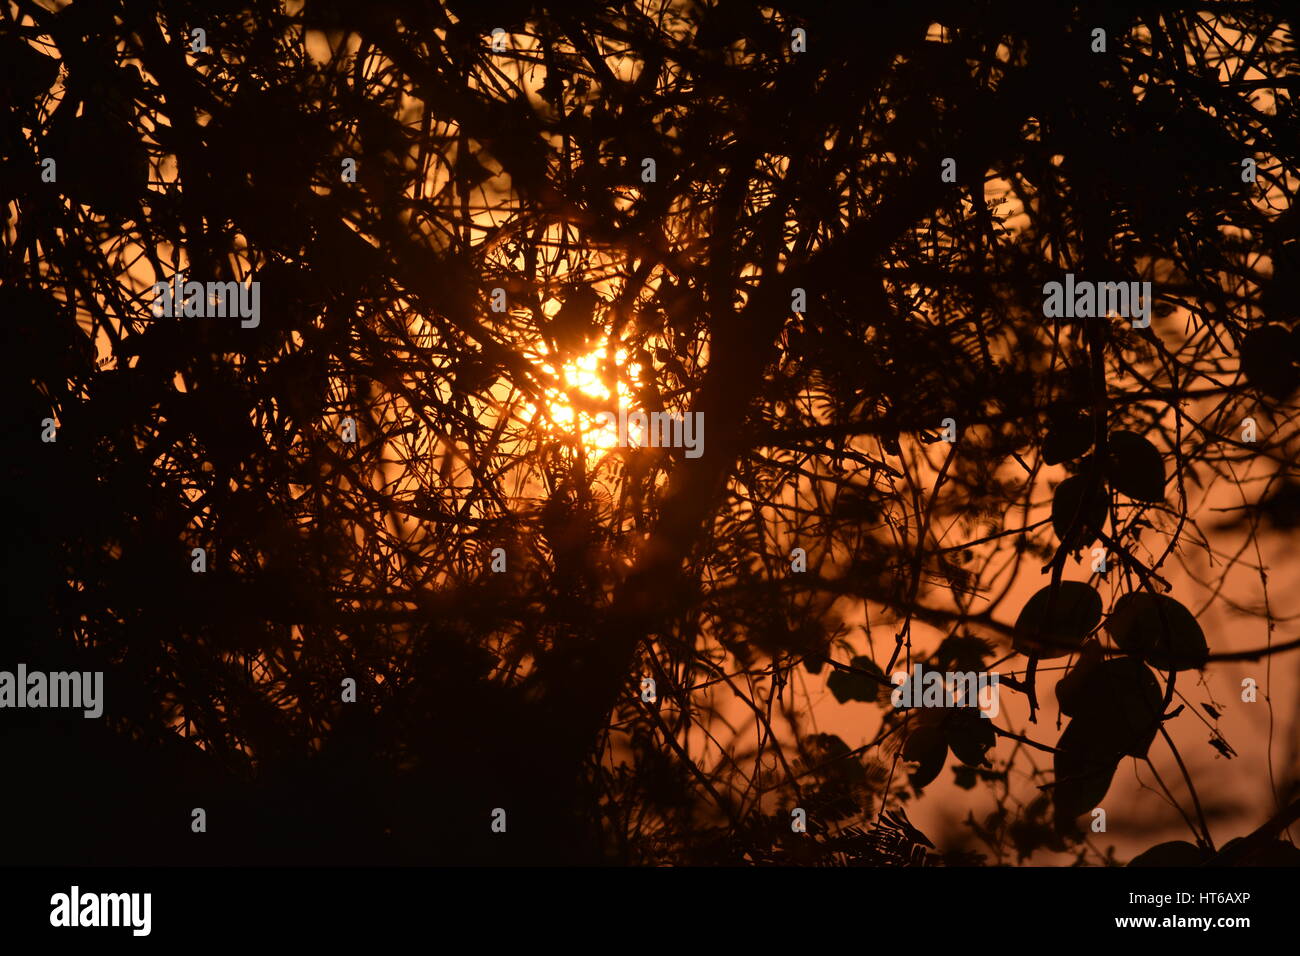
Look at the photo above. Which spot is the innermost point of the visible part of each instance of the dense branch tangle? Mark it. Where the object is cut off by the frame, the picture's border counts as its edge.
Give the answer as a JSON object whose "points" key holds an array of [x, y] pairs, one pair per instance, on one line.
{"points": [[522, 169]]}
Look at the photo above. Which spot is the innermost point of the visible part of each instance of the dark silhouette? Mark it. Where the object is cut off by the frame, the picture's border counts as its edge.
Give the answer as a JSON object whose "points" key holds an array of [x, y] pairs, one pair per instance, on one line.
{"points": [[839, 246]]}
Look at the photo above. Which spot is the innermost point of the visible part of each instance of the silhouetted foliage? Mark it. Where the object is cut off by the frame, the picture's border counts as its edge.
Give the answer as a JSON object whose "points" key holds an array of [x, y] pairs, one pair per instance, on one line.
{"points": [[522, 170]]}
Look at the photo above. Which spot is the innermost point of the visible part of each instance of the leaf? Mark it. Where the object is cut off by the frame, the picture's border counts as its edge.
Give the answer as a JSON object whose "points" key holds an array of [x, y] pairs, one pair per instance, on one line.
{"points": [[847, 685], [1071, 688], [1055, 621], [970, 736], [1073, 508], [1068, 438], [1173, 853], [1118, 705], [1082, 776], [927, 746], [1268, 360], [1160, 630], [1135, 467], [1242, 852], [962, 652]]}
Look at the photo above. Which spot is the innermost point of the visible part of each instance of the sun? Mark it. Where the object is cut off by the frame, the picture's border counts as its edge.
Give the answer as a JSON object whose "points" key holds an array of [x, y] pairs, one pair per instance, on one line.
{"points": [[585, 377]]}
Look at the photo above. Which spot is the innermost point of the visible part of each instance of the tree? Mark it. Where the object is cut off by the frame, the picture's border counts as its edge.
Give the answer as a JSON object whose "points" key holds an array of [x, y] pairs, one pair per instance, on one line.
{"points": [[838, 259]]}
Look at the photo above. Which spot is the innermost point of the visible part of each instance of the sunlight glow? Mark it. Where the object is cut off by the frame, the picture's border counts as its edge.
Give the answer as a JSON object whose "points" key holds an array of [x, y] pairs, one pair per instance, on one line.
{"points": [[586, 377]]}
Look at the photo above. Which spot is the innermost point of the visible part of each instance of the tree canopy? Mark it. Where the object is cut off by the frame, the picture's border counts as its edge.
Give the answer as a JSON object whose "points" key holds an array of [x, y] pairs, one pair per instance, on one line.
{"points": [[827, 230]]}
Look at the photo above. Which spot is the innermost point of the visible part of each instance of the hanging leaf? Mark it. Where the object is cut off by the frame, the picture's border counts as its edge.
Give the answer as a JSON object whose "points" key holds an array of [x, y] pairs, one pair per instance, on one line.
{"points": [[850, 685], [1068, 438], [927, 746], [970, 736], [1082, 777], [1160, 630], [1245, 851], [1055, 621], [1117, 705], [1269, 360], [1173, 853], [1071, 687], [1135, 467], [1073, 507]]}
